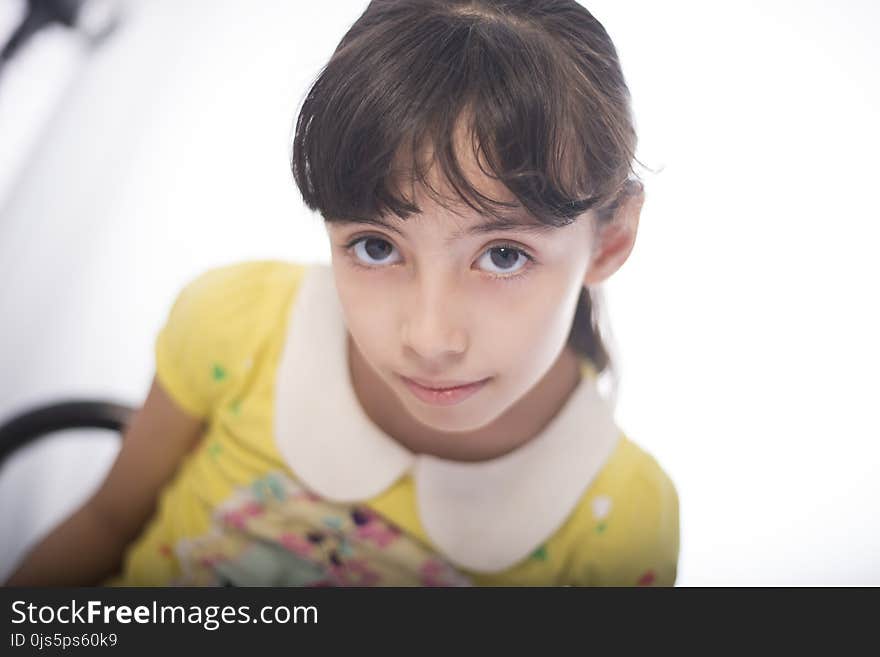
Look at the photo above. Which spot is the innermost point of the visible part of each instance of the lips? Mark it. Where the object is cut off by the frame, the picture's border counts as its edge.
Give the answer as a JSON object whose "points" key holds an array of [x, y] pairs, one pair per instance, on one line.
{"points": [[442, 385], [443, 396]]}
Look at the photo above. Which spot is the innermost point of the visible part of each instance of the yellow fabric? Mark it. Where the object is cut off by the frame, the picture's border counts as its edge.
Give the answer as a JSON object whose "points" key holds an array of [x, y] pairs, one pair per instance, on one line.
{"points": [[217, 355]]}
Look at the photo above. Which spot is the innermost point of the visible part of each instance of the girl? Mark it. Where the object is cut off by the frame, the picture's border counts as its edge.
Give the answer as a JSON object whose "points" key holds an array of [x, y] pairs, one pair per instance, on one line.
{"points": [[424, 410]]}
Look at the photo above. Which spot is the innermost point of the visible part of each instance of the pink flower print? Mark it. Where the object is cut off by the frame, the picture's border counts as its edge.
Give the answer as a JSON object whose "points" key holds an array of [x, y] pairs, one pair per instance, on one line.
{"points": [[381, 535], [432, 573], [237, 517], [253, 508], [306, 494], [210, 560], [296, 544], [371, 527], [647, 578]]}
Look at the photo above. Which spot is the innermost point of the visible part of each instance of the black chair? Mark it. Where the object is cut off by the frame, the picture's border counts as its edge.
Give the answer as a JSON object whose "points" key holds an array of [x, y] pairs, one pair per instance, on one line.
{"points": [[34, 423]]}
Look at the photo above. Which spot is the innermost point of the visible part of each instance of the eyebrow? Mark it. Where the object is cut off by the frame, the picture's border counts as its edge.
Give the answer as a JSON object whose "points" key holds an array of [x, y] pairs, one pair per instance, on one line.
{"points": [[491, 226]]}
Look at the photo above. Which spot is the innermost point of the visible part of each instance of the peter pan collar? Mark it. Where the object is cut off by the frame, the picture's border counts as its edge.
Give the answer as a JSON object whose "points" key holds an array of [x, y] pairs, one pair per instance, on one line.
{"points": [[484, 516]]}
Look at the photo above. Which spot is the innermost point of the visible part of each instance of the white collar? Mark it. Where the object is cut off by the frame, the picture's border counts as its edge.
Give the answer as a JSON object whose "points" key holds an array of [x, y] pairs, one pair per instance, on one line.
{"points": [[484, 516]]}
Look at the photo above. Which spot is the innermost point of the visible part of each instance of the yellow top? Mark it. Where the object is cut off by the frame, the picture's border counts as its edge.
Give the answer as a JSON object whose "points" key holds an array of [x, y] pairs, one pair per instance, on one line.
{"points": [[240, 511]]}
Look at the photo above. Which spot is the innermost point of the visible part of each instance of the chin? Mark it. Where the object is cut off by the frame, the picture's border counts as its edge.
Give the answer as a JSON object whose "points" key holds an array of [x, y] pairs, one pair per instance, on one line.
{"points": [[451, 426], [450, 419]]}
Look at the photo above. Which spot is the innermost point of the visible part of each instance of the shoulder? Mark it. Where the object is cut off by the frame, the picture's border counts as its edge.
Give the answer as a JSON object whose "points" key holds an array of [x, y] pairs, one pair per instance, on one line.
{"points": [[641, 472], [625, 530], [222, 300], [225, 288], [215, 318]]}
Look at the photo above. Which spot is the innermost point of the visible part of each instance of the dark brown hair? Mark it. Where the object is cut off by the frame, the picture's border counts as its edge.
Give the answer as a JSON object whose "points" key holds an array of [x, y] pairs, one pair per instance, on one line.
{"points": [[538, 84]]}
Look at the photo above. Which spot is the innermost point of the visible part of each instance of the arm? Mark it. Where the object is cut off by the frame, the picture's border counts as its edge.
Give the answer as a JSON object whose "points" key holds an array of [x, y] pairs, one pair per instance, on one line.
{"points": [[89, 546]]}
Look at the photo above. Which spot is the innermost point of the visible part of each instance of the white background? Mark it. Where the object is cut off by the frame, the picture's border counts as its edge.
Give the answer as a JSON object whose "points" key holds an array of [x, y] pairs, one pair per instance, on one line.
{"points": [[745, 320]]}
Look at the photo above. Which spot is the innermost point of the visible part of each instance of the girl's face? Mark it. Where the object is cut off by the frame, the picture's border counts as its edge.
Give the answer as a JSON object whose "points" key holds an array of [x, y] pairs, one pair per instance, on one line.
{"points": [[448, 300]]}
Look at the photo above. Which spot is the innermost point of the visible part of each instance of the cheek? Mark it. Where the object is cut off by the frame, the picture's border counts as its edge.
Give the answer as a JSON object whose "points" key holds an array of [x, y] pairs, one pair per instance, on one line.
{"points": [[365, 314], [533, 326]]}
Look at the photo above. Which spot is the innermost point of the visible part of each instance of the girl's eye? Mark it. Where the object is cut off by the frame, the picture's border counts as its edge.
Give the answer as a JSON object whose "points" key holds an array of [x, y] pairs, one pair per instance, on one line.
{"points": [[508, 259], [372, 250]]}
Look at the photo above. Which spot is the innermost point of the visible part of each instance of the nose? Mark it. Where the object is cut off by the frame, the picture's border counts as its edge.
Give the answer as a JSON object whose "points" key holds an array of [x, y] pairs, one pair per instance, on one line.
{"points": [[430, 328]]}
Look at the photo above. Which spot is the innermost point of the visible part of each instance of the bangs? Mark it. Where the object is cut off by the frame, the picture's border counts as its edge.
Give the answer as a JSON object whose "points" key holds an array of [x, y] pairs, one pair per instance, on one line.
{"points": [[472, 101]]}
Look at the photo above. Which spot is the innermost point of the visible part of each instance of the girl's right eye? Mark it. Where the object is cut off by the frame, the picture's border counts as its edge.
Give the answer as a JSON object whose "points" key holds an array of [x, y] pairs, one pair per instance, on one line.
{"points": [[371, 250]]}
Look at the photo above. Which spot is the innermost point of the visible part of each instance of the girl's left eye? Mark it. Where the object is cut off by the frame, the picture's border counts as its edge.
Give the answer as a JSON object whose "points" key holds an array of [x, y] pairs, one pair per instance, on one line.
{"points": [[505, 258]]}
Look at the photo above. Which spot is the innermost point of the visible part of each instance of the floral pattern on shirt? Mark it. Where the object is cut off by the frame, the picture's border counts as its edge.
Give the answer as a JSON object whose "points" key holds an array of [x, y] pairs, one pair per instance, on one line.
{"points": [[275, 532]]}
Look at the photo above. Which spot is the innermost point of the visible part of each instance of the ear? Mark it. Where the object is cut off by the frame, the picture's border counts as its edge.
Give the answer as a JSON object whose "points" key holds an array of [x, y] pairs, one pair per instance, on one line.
{"points": [[615, 239]]}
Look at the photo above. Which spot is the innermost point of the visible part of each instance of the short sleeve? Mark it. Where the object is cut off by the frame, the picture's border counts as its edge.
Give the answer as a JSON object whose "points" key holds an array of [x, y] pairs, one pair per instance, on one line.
{"points": [[632, 537], [647, 553], [212, 328], [182, 347]]}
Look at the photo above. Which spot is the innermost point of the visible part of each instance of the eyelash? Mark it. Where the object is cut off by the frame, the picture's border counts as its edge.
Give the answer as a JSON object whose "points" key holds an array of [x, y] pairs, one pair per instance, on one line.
{"points": [[509, 278]]}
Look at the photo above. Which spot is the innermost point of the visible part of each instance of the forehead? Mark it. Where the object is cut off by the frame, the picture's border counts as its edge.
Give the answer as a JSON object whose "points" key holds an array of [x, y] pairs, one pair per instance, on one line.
{"points": [[422, 180], [424, 176], [477, 204]]}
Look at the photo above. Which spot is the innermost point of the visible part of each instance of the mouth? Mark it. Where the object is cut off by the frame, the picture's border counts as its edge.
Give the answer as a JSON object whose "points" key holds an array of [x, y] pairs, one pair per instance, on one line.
{"points": [[441, 385], [442, 393]]}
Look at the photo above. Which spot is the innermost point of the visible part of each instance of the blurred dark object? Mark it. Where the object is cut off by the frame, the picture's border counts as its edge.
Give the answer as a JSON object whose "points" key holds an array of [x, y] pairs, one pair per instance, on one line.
{"points": [[34, 423], [95, 19]]}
